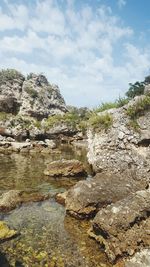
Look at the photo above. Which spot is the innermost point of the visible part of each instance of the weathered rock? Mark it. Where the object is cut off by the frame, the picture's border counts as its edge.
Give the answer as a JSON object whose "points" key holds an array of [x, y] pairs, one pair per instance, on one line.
{"points": [[5, 232], [13, 198], [61, 197], [122, 147], [65, 168], [87, 197], [33, 96], [140, 259], [51, 144], [124, 227], [40, 99]]}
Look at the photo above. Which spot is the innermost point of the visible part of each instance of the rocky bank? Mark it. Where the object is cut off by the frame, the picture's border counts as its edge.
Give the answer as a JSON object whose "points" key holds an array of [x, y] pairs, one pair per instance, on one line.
{"points": [[118, 196]]}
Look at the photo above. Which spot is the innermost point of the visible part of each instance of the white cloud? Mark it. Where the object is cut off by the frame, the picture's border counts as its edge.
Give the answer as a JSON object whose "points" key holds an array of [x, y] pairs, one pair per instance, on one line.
{"points": [[121, 3], [74, 48]]}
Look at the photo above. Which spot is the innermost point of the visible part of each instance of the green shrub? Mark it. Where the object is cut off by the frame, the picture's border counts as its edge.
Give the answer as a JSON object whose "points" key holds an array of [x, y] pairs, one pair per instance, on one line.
{"points": [[134, 124], [139, 108], [32, 92], [120, 102], [135, 89], [100, 121], [4, 116]]}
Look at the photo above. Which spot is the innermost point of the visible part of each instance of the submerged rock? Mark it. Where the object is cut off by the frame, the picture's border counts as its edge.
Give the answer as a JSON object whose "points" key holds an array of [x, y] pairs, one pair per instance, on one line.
{"points": [[87, 197], [13, 198], [5, 232], [124, 227], [65, 168], [140, 259]]}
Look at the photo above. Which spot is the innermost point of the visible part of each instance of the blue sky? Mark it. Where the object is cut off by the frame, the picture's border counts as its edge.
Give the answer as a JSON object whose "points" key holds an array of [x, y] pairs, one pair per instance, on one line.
{"points": [[91, 48]]}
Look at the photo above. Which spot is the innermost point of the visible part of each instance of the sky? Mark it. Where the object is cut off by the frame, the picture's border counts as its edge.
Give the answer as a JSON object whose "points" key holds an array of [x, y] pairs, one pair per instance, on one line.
{"points": [[92, 49]]}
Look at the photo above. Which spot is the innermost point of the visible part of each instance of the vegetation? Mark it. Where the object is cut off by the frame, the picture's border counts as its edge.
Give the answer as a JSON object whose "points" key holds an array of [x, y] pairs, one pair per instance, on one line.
{"points": [[139, 107], [32, 92], [9, 75], [108, 105], [135, 89], [100, 121], [4, 116]]}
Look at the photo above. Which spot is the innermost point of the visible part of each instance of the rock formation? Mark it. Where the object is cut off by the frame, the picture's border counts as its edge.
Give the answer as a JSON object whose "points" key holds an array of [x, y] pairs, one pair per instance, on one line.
{"points": [[123, 227], [33, 96], [125, 146], [65, 168]]}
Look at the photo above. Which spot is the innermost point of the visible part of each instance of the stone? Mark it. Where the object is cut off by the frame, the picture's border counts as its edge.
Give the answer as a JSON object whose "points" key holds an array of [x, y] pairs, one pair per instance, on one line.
{"points": [[140, 259], [11, 199], [87, 197], [51, 144], [65, 168], [61, 197], [124, 227]]}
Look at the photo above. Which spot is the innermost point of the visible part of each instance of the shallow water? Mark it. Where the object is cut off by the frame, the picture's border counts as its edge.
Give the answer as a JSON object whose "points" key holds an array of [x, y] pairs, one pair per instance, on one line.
{"points": [[47, 237]]}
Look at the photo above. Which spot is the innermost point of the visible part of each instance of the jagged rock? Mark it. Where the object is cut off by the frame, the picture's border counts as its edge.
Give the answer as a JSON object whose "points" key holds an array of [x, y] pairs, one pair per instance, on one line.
{"points": [[40, 99], [121, 147], [13, 198], [124, 227], [11, 82], [33, 96], [65, 168], [85, 198]]}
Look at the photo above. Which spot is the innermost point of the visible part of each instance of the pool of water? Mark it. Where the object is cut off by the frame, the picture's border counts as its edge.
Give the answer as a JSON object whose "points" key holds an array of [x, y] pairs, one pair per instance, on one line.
{"points": [[47, 237]]}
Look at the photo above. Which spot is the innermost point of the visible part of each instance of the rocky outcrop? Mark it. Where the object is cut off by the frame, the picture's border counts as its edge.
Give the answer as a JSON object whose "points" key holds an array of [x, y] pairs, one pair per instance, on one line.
{"points": [[41, 99], [65, 168], [11, 82], [87, 197], [13, 198], [32, 96], [125, 146], [124, 227]]}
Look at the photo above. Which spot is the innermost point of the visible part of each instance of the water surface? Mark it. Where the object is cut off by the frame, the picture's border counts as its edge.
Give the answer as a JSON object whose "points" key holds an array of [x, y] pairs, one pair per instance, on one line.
{"points": [[47, 236]]}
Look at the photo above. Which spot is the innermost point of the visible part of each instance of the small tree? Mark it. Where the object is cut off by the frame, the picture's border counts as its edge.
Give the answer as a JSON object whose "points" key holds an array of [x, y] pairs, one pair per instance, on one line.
{"points": [[135, 89]]}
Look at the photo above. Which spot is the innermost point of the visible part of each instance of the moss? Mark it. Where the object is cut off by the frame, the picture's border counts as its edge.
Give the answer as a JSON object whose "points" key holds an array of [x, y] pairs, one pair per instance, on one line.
{"points": [[37, 124], [101, 122], [5, 232]]}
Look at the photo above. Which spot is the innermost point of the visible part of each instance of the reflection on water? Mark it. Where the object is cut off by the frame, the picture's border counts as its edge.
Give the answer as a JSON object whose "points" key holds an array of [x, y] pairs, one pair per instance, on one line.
{"points": [[47, 237]]}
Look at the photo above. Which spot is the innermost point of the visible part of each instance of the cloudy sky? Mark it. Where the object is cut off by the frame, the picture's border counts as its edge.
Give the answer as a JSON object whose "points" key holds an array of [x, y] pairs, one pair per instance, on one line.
{"points": [[91, 48]]}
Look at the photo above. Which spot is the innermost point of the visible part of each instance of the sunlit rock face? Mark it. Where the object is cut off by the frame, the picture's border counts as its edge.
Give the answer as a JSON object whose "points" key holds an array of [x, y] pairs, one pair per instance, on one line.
{"points": [[125, 146], [32, 96]]}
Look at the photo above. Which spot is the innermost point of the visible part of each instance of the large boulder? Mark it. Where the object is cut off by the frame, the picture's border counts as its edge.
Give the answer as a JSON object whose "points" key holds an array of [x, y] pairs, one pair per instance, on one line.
{"points": [[65, 168], [124, 227], [87, 197]]}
